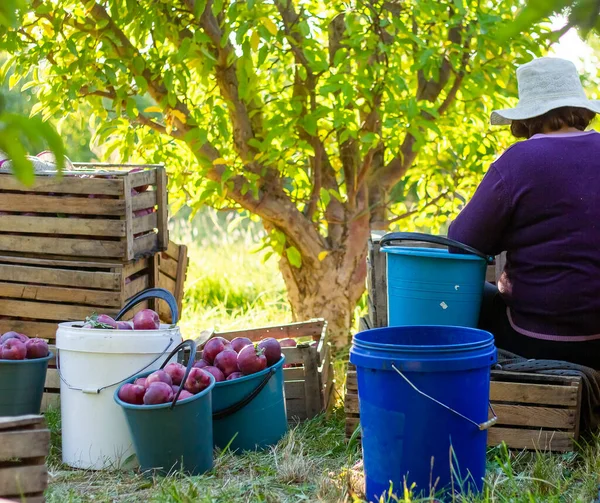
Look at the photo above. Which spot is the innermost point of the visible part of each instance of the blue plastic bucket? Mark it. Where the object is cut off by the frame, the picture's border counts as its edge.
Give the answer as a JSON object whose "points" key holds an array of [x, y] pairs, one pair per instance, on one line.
{"points": [[424, 397], [431, 286], [249, 413]]}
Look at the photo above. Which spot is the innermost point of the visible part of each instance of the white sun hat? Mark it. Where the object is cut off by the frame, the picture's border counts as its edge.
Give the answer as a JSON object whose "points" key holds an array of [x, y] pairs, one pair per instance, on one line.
{"points": [[545, 84]]}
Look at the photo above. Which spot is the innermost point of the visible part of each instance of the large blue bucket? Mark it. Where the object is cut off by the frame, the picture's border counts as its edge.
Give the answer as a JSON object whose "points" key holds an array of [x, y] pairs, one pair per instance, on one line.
{"points": [[431, 286], [249, 413], [424, 396]]}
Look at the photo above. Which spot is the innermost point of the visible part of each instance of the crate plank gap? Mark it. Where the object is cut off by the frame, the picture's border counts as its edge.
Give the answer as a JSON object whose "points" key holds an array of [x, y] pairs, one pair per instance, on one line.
{"points": [[24, 445], [309, 384], [535, 411], [96, 218]]}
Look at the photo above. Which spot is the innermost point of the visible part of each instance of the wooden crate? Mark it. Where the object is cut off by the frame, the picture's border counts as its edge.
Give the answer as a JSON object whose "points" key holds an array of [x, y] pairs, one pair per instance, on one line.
{"points": [[535, 412], [96, 218], [171, 271], [309, 386], [24, 445], [37, 294]]}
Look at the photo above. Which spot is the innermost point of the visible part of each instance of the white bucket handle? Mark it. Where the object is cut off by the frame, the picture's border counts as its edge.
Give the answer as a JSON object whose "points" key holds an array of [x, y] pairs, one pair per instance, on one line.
{"points": [[96, 391], [481, 426]]}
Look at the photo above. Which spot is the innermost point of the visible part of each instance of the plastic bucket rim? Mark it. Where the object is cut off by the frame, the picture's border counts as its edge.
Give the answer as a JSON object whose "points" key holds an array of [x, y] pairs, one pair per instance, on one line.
{"points": [[71, 325], [133, 406], [252, 376], [29, 360], [430, 253], [467, 346]]}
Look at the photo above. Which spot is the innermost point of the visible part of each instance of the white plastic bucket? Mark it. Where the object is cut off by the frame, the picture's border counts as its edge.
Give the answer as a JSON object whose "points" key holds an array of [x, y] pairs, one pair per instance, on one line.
{"points": [[92, 363]]}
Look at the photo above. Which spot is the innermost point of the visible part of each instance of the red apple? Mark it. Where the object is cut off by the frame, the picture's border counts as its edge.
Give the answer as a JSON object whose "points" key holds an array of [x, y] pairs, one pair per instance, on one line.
{"points": [[13, 349], [227, 361], [36, 348], [272, 350], [158, 392], [251, 360], [132, 393], [197, 381], [124, 325], [176, 371], [235, 375], [13, 335], [213, 347], [240, 343], [218, 375], [158, 376], [146, 319], [183, 395]]}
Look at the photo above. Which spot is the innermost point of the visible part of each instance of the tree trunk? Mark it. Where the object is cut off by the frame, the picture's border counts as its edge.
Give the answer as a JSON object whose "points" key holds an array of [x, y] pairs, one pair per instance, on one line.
{"points": [[329, 289]]}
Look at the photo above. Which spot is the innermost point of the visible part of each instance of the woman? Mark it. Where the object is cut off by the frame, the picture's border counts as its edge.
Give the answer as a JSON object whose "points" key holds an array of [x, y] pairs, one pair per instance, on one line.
{"points": [[540, 202]]}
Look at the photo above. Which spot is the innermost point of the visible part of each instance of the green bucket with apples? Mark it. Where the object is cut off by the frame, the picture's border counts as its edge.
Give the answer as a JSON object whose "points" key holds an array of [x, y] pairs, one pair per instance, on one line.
{"points": [[23, 368], [173, 435]]}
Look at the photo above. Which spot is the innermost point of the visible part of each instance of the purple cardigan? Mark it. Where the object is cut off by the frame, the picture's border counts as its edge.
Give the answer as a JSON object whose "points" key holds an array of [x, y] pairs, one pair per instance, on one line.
{"points": [[540, 202]]}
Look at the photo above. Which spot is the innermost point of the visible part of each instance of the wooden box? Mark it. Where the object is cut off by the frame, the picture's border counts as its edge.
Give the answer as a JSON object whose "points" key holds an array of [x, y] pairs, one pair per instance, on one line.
{"points": [[535, 412], [309, 384], [96, 218], [24, 445], [171, 271]]}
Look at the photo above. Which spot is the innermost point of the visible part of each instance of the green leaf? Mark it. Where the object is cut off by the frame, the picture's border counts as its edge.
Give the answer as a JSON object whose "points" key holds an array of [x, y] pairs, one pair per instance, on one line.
{"points": [[138, 64], [294, 257], [325, 196]]}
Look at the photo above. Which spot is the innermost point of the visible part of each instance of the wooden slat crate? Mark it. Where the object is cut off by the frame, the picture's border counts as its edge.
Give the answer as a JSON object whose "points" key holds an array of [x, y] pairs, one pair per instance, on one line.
{"points": [[309, 386], [171, 270], [535, 412], [96, 218], [24, 445]]}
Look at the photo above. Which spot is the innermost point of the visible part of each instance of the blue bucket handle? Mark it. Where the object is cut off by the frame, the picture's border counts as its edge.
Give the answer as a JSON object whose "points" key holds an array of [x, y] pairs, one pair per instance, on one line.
{"points": [[481, 426], [153, 293], [191, 361], [387, 240]]}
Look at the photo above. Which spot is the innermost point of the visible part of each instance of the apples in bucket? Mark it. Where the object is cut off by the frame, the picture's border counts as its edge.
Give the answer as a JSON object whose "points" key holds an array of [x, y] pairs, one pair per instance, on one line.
{"points": [[15, 346]]}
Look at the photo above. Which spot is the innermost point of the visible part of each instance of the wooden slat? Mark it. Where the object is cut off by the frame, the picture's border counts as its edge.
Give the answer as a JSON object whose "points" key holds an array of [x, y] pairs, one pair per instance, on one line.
{"points": [[145, 244], [23, 479], [52, 379], [351, 403], [172, 250], [24, 444], [34, 203], [531, 439], [60, 277], [293, 330], [96, 248], [293, 355], [163, 207], [167, 283], [46, 310], [136, 286], [145, 223], [312, 383], [540, 394], [294, 389], [135, 266], [83, 265], [294, 374], [143, 201], [59, 294], [30, 328], [55, 225], [66, 185], [182, 265], [128, 216], [168, 265], [351, 383], [10, 422], [141, 178], [295, 409], [529, 378], [537, 417], [351, 425]]}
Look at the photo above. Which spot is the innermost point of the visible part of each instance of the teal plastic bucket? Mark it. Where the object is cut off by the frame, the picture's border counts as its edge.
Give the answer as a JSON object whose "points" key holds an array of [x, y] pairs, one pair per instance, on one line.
{"points": [[173, 436], [424, 404], [249, 413], [22, 385], [432, 286]]}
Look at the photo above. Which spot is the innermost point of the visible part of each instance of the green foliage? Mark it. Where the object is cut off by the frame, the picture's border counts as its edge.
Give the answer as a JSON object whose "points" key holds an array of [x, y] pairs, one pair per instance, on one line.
{"points": [[238, 98]]}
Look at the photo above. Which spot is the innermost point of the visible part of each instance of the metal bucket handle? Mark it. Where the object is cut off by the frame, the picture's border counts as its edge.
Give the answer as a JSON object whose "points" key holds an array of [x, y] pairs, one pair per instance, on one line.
{"points": [[188, 369], [480, 426], [387, 240], [153, 293]]}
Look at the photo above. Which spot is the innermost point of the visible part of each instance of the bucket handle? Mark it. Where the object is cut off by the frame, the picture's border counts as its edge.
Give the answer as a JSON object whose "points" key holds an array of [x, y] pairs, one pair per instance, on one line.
{"points": [[153, 293], [232, 409], [191, 361], [96, 391], [387, 240], [481, 426]]}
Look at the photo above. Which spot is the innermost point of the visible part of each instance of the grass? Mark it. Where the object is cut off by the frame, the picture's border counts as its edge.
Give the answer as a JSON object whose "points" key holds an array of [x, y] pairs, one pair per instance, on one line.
{"points": [[229, 288]]}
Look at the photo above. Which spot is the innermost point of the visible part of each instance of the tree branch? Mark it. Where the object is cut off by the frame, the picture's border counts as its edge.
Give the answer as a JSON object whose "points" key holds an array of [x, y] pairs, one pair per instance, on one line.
{"points": [[418, 210]]}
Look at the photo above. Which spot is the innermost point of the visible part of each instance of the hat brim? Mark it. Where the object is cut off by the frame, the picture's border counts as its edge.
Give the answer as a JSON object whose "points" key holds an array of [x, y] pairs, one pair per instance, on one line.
{"points": [[506, 116]]}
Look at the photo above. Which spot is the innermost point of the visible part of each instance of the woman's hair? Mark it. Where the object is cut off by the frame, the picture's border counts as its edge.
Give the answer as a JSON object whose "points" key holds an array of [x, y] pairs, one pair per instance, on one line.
{"points": [[553, 120]]}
